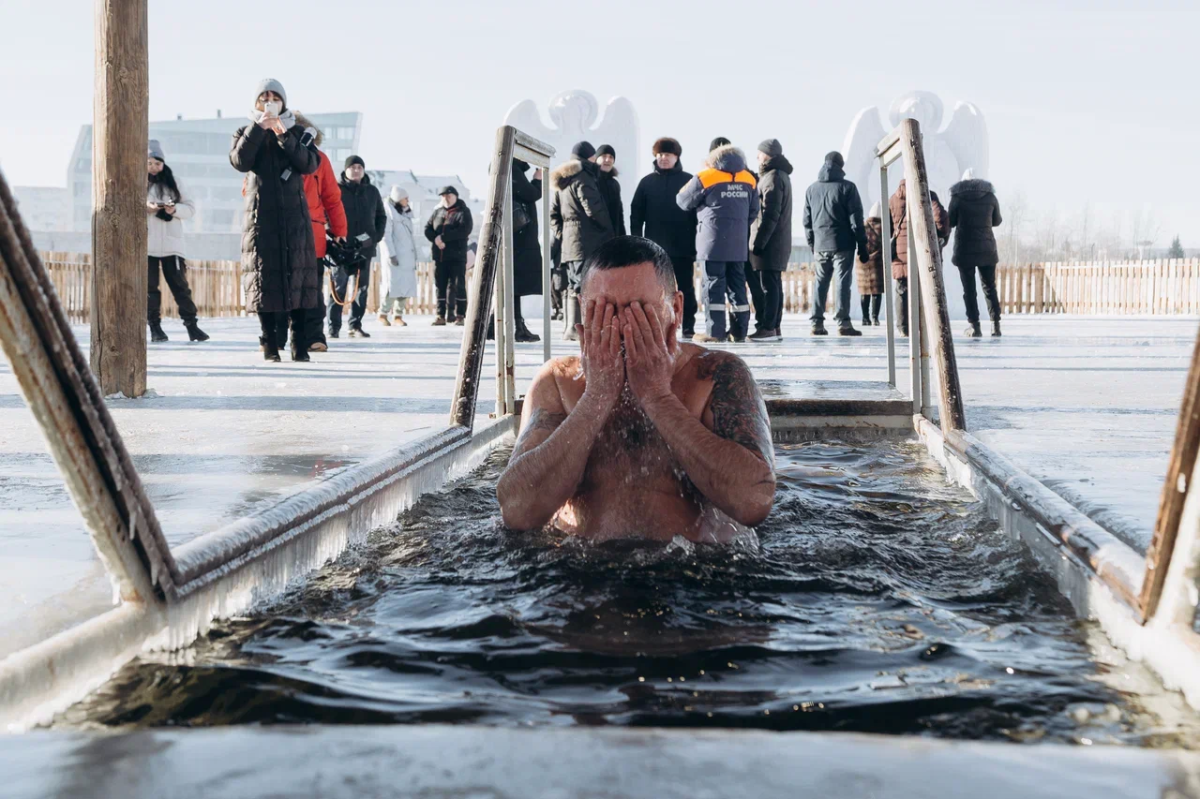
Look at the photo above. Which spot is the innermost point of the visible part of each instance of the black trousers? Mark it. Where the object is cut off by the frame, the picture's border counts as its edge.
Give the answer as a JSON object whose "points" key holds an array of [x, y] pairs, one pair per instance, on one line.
{"points": [[274, 326], [451, 280], [314, 318], [871, 303], [174, 270], [558, 287], [987, 276], [902, 304], [685, 266], [766, 290], [341, 281]]}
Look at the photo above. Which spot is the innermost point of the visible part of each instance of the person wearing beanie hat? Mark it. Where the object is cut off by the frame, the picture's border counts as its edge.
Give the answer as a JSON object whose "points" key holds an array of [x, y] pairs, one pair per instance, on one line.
{"points": [[724, 197], [397, 259], [869, 270], [166, 207], [606, 159], [584, 151], [770, 241], [833, 225], [653, 213], [328, 221], [365, 217], [279, 256], [580, 220], [449, 229]]}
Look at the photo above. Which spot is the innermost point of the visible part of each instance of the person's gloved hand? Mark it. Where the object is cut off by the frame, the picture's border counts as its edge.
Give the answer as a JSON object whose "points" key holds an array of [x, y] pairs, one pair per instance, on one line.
{"points": [[863, 255]]}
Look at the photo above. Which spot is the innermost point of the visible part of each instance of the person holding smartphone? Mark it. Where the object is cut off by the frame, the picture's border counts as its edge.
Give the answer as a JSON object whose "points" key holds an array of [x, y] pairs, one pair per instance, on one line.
{"points": [[166, 207], [279, 257]]}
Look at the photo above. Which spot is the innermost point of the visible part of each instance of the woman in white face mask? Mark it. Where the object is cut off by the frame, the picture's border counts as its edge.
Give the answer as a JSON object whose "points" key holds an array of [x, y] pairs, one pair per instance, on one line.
{"points": [[279, 262]]}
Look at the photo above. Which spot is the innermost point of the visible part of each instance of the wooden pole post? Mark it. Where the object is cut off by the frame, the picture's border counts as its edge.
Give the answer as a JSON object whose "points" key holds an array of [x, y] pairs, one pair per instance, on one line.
{"points": [[927, 267], [119, 136]]}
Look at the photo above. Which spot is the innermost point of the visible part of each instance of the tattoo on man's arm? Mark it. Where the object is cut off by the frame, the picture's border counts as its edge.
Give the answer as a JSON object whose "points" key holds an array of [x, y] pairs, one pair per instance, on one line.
{"points": [[739, 413], [539, 420]]}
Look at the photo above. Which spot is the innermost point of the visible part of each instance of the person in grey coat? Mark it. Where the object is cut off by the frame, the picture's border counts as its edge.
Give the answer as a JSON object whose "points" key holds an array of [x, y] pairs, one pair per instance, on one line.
{"points": [[770, 240], [974, 211], [279, 258], [833, 225], [580, 221]]}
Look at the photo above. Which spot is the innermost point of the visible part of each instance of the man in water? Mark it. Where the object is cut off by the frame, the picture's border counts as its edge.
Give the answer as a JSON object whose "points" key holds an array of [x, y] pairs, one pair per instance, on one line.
{"points": [[641, 435]]}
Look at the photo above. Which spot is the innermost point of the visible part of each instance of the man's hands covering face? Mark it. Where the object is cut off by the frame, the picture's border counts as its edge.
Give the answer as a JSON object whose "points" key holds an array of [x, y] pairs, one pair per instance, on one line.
{"points": [[600, 342], [649, 353]]}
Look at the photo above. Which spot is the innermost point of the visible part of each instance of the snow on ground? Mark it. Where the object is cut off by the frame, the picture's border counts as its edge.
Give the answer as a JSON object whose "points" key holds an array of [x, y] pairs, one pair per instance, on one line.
{"points": [[1086, 404]]}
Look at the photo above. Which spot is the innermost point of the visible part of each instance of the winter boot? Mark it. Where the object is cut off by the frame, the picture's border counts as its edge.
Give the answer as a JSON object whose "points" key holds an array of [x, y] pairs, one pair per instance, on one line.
{"points": [[995, 328], [572, 317], [818, 329], [195, 333], [439, 322], [760, 336], [383, 320], [299, 351], [524, 335], [269, 349], [704, 338], [460, 322], [358, 332], [156, 332], [399, 321], [848, 329], [973, 330]]}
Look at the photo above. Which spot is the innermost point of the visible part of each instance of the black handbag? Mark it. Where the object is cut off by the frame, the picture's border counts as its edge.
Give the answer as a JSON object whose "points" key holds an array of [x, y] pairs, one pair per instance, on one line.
{"points": [[521, 218]]}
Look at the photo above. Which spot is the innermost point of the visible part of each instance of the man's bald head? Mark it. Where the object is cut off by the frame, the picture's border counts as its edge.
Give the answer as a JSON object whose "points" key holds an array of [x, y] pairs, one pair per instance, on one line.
{"points": [[626, 251]]}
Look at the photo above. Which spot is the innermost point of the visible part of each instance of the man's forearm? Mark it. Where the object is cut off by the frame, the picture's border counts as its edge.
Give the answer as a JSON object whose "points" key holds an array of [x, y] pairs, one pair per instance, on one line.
{"points": [[538, 482], [729, 475]]}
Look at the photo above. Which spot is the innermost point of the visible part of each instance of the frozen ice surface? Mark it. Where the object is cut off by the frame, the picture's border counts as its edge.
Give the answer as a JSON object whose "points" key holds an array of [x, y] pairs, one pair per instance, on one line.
{"points": [[1087, 404]]}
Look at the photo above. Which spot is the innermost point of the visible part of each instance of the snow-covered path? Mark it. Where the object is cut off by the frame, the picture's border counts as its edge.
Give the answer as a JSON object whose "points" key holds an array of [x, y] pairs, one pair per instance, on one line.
{"points": [[1086, 404]]}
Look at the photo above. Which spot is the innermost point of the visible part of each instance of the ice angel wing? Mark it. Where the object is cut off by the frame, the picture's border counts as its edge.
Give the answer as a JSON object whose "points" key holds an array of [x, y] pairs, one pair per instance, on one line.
{"points": [[967, 137], [524, 117], [859, 152]]}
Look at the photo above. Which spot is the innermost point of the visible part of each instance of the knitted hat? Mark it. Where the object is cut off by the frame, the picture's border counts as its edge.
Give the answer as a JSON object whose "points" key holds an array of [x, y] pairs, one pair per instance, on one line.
{"points": [[352, 160], [606, 149], [398, 194], [720, 141], [583, 150], [271, 85], [771, 147], [155, 150], [667, 145], [874, 212]]}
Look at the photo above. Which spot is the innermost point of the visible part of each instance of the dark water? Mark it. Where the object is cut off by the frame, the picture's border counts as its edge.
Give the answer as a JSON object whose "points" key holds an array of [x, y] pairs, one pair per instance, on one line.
{"points": [[876, 598]]}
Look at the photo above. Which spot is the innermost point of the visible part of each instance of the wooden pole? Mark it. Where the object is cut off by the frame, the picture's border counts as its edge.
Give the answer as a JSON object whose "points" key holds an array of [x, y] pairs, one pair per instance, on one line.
{"points": [[1174, 492], [470, 365], [119, 136], [929, 268]]}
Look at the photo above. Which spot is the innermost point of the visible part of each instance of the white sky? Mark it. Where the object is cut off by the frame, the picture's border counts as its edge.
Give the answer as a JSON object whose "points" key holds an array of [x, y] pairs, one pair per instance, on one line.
{"points": [[1086, 102]]}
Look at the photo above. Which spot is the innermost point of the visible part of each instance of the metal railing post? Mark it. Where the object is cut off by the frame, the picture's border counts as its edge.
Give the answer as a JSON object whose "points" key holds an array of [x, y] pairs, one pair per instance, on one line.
{"points": [[917, 373], [506, 359], [546, 278], [885, 259]]}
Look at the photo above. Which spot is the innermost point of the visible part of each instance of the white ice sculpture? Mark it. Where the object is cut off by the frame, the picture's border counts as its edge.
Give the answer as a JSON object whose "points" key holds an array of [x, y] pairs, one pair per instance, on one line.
{"points": [[948, 153], [574, 113]]}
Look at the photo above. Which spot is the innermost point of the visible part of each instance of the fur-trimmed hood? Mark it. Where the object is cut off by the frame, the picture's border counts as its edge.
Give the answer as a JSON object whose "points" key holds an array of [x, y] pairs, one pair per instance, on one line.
{"points": [[975, 185], [567, 171], [726, 158], [305, 122]]}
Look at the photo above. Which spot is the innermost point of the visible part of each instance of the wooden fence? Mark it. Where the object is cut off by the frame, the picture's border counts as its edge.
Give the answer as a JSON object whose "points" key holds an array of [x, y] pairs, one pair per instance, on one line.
{"points": [[1145, 287]]}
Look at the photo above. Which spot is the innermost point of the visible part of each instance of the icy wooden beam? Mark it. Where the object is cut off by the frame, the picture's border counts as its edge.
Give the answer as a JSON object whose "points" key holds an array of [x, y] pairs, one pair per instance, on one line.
{"points": [[119, 137]]}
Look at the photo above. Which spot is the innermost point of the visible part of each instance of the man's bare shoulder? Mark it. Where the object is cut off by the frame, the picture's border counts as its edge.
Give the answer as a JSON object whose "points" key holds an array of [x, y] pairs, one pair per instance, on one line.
{"points": [[735, 407], [707, 363]]}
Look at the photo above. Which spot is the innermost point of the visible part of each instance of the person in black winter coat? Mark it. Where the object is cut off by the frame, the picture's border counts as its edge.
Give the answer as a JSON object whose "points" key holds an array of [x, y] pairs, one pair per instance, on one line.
{"points": [[450, 230], [833, 224], [770, 240], [606, 159], [365, 216], [527, 251], [653, 213], [579, 218], [279, 259], [974, 211]]}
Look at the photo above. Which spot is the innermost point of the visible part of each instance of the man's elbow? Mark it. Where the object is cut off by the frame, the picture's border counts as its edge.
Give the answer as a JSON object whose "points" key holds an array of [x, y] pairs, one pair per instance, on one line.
{"points": [[514, 509], [757, 503]]}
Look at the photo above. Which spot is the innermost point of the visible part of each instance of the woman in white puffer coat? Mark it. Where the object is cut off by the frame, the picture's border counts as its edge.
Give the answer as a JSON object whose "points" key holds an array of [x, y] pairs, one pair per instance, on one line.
{"points": [[397, 258], [166, 207]]}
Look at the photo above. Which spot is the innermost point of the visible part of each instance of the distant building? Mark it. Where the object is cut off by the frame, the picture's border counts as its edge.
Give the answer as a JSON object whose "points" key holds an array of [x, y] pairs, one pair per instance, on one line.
{"points": [[44, 207], [197, 151]]}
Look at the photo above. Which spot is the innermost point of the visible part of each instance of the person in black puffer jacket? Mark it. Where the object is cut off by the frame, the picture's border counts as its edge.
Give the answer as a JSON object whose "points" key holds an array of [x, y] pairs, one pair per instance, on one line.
{"points": [[606, 159], [974, 211], [653, 213], [450, 230], [579, 218], [527, 251], [771, 240], [279, 258], [833, 225], [365, 216]]}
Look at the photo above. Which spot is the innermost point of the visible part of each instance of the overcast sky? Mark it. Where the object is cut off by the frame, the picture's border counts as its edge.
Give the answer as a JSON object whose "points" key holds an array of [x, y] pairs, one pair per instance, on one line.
{"points": [[1086, 102]]}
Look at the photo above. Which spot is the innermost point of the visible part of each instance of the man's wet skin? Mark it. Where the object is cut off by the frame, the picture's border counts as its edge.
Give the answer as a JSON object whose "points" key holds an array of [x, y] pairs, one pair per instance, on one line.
{"points": [[640, 435]]}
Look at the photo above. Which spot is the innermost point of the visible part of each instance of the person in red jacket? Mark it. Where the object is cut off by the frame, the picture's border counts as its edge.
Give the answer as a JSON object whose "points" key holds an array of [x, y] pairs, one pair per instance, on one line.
{"points": [[325, 208]]}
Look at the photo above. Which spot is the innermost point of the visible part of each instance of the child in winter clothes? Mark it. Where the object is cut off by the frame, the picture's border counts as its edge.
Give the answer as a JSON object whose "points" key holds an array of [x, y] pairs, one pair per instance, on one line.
{"points": [[870, 271]]}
